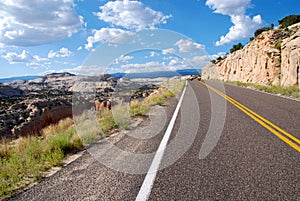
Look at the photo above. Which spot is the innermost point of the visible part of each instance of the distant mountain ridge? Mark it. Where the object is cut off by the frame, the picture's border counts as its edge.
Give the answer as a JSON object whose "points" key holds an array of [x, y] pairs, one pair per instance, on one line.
{"points": [[116, 75], [20, 78], [156, 74]]}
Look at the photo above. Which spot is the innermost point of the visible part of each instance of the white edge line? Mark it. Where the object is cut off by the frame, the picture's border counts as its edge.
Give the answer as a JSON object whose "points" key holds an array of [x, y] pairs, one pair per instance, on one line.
{"points": [[147, 185]]}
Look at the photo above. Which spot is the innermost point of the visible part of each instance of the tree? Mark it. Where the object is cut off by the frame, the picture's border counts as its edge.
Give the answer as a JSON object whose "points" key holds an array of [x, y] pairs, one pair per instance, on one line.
{"points": [[219, 58], [236, 47], [289, 20], [259, 31]]}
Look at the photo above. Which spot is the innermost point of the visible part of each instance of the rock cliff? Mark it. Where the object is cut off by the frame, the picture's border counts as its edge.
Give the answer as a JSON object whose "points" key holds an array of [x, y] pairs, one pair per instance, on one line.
{"points": [[272, 58]]}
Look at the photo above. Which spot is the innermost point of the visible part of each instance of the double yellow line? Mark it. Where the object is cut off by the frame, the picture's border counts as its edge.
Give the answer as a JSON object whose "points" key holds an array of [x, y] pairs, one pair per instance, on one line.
{"points": [[279, 132]]}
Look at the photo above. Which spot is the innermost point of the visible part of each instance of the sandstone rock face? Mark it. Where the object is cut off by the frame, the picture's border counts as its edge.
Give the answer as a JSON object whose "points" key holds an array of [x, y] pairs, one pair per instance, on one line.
{"points": [[290, 57], [262, 61]]}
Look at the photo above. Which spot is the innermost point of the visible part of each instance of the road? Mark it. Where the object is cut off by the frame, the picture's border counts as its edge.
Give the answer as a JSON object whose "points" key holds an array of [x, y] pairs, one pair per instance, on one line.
{"points": [[216, 151]]}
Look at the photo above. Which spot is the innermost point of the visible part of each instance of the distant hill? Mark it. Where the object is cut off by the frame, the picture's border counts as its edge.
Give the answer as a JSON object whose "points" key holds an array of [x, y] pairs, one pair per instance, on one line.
{"points": [[21, 78]]}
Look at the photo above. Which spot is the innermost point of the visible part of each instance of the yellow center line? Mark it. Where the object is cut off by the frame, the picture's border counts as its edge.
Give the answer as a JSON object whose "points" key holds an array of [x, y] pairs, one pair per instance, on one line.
{"points": [[261, 120]]}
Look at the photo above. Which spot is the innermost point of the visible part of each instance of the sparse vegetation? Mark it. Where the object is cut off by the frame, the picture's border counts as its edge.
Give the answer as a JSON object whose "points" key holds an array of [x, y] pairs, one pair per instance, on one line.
{"points": [[259, 31], [236, 47], [278, 44], [23, 161], [289, 20], [138, 108], [288, 91]]}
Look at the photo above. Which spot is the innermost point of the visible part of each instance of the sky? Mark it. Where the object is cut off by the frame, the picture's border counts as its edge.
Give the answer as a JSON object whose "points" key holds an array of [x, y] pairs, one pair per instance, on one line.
{"points": [[95, 36]]}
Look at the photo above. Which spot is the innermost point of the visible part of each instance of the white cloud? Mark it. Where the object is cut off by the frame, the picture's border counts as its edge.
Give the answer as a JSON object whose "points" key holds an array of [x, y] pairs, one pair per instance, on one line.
{"points": [[132, 15], [35, 22], [243, 28], [189, 46], [201, 60], [168, 51], [174, 62], [154, 54], [63, 52], [24, 58], [79, 48], [123, 59], [154, 66], [243, 25], [229, 7], [13, 57], [113, 35]]}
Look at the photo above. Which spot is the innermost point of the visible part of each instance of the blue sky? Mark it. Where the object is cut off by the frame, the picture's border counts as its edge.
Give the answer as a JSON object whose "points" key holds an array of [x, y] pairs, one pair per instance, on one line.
{"points": [[40, 37]]}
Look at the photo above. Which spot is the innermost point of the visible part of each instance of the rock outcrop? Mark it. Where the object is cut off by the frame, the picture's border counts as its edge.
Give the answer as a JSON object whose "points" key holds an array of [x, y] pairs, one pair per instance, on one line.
{"points": [[273, 58], [26, 107], [290, 59]]}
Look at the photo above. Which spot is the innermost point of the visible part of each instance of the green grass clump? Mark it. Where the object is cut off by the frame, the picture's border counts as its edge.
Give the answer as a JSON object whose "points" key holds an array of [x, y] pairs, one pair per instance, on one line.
{"points": [[155, 100], [138, 108], [121, 116], [106, 121], [168, 94], [23, 162]]}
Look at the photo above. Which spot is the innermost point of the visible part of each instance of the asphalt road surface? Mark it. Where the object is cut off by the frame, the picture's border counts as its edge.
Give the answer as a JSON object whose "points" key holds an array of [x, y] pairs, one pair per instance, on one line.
{"points": [[217, 150]]}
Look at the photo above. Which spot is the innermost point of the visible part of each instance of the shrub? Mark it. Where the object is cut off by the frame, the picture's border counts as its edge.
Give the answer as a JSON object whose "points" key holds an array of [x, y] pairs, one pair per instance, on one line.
{"points": [[106, 120], [138, 108], [155, 100], [278, 44], [259, 31], [236, 47], [31, 155], [121, 116], [289, 20]]}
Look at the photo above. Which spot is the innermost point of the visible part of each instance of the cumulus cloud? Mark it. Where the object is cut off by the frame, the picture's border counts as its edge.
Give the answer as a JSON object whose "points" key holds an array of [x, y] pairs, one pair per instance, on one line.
{"points": [[154, 66], [24, 58], [188, 46], [123, 59], [243, 25], [229, 7], [201, 60], [35, 22], [63, 52], [154, 54], [131, 15], [113, 35], [168, 51]]}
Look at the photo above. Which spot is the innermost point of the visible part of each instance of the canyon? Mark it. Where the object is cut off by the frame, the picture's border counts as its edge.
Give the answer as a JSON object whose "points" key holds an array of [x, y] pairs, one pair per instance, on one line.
{"points": [[29, 106]]}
